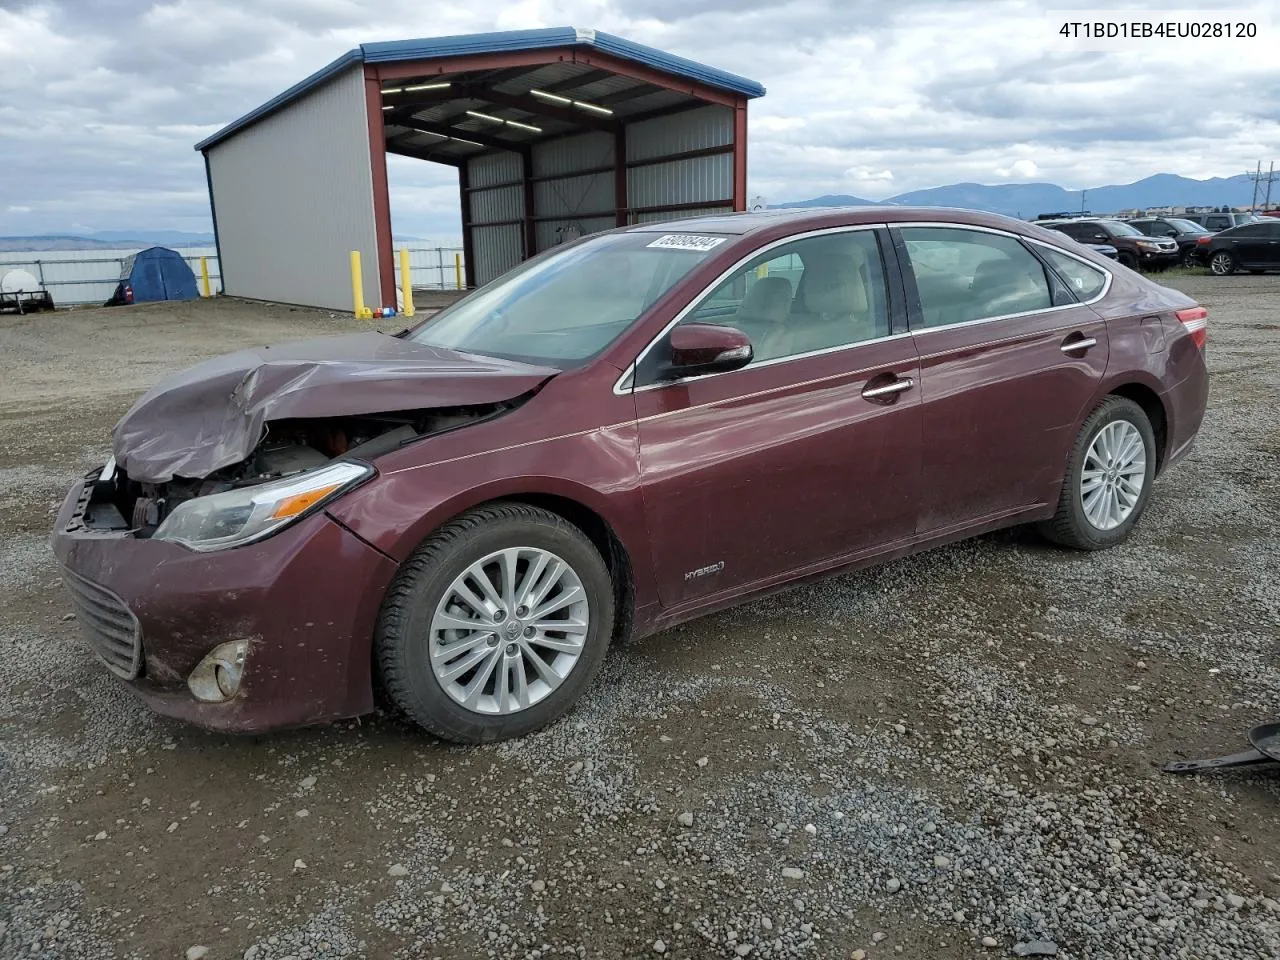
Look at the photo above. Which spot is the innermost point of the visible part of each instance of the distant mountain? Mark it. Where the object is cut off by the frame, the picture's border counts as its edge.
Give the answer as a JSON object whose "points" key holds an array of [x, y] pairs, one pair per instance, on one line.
{"points": [[170, 238], [107, 239], [1027, 200], [830, 200]]}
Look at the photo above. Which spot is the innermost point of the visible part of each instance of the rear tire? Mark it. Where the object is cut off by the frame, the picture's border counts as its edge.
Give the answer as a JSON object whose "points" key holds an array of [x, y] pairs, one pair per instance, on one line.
{"points": [[1190, 258], [1223, 263], [1101, 500], [414, 653]]}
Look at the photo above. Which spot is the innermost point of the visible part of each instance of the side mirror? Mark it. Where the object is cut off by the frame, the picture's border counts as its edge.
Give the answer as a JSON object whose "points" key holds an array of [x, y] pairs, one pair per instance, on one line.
{"points": [[1101, 238], [701, 348]]}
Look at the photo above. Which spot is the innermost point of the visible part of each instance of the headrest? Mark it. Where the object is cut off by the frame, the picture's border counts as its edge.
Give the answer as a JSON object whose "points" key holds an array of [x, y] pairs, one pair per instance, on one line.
{"points": [[768, 299], [833, 283]]}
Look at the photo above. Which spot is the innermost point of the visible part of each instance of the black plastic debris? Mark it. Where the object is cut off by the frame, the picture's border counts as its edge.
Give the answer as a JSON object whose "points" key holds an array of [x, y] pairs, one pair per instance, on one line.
{"points": [[1264, 755]]}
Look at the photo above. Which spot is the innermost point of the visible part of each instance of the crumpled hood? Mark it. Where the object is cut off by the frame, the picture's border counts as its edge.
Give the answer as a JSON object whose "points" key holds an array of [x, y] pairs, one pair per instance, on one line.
{"points": [[213, 414]]}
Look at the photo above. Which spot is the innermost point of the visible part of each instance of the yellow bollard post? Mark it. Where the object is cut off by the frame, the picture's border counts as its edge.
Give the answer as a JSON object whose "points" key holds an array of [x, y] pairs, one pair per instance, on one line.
{"points": [[457, 269], [357, 289], [406, 283], [204, 276]]}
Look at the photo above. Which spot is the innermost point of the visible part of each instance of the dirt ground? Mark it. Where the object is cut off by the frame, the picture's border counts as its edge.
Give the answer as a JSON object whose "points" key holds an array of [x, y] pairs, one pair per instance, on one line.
{"points": [[957, 746]]}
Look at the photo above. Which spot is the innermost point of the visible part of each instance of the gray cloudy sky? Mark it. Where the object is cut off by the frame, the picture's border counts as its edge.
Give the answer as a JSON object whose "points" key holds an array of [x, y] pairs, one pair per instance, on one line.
{"points": [[101, 100]]}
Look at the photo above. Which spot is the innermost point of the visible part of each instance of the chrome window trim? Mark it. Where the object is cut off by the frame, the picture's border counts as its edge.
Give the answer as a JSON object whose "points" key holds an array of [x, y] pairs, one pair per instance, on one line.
{"points": [[1106, 286], [619, 386]]}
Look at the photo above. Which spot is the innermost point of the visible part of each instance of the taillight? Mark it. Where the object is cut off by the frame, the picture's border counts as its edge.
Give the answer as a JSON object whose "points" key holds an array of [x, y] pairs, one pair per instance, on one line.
{"points": [[1196, 320], [1204, 241]]}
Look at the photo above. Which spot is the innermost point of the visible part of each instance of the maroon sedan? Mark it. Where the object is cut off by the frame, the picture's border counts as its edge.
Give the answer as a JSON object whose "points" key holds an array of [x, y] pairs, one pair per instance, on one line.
{"points": [[621, 434]]}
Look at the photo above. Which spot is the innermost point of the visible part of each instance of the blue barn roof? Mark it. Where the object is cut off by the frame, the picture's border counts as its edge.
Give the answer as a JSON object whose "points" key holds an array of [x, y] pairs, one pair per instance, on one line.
{"points": [[500, 42]]}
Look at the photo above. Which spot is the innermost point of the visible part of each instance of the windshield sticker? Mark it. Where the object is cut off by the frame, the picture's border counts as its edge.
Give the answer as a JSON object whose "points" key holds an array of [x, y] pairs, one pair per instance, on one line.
{"points": [[686, 241]]}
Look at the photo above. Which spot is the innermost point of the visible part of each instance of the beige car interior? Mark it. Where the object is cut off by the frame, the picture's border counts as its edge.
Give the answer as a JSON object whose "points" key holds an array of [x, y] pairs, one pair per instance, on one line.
{"points": [[832, 306]]}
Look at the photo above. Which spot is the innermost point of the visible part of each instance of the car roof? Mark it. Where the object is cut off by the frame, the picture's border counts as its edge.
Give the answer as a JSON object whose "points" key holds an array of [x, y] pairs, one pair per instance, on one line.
{"points": [[806, 218]]}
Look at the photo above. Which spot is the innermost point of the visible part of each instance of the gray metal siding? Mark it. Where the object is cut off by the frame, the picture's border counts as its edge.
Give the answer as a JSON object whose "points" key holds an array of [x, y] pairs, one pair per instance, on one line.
{"points": [[293, 196], [682, 181], [726, 207], [690, 130], [501, 203], [492, 168], [570, 154], [574, 196], [495, 250], [547, 236]]}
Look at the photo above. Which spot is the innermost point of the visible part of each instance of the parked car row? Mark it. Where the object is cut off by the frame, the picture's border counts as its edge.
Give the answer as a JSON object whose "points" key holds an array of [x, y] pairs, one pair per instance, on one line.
{"points": [[1252, 246], [1224, 242], [1133, 248]]}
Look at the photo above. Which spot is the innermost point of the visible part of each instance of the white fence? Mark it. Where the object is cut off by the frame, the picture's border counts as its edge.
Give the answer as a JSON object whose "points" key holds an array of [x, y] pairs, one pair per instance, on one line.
{"points": [[78, 277]]}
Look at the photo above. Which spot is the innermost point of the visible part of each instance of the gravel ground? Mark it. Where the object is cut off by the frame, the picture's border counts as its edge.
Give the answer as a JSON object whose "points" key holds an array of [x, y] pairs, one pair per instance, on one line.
{"points": [[952, 756]]}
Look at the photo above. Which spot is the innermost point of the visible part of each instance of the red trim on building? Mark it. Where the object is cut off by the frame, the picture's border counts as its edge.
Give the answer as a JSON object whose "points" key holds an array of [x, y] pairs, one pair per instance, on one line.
{"points": [[740, 155], [381, 192]]}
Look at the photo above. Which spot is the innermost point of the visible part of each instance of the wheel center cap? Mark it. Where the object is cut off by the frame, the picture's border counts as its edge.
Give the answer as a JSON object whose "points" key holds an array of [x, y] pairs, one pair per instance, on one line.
{"points": [[512, 629]]}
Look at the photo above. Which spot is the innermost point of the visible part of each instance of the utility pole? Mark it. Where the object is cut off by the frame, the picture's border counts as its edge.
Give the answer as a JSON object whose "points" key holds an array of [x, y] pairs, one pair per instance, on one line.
{"points": [[1082, 196], [1258, 178]]}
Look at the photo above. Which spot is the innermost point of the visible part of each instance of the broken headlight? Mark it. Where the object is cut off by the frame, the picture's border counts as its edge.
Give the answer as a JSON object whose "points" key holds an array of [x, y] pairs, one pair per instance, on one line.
{"points": [[241, 516]]}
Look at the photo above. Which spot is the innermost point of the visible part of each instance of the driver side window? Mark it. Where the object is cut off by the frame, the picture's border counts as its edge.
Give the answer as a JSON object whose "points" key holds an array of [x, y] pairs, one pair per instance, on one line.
{"points": [[805, 296]]}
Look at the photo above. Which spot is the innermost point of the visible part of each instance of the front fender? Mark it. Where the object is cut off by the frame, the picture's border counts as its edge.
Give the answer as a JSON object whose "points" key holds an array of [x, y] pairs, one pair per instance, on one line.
{"points": [[598, 469]]}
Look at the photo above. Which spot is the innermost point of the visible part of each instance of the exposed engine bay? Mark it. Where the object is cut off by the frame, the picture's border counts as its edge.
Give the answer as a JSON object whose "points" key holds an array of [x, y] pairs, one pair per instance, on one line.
{"points": [[287, 447]]}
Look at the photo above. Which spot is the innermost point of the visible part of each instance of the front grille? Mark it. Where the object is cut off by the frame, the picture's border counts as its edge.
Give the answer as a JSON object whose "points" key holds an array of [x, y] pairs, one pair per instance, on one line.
{"points": [[110, 627]]}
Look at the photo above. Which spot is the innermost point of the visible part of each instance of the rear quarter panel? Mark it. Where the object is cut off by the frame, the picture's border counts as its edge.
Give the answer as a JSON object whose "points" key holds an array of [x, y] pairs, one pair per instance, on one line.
{"points": [[1149, 346]]}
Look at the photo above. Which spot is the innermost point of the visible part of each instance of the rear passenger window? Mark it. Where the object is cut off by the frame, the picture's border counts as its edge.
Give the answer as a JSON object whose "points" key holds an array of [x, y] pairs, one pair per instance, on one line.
{"points": [[1086, 281], [966, 275]]}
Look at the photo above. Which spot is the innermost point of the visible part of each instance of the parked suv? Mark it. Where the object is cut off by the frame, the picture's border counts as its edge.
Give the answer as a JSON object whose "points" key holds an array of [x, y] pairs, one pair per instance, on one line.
{"points": [[1252, 246], [1184, 233], [1213, 222], [1134, 248]]}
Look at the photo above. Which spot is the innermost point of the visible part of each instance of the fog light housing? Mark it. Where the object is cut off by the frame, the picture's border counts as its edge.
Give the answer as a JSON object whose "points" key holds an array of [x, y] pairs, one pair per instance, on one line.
{"points": [[217, 677]]}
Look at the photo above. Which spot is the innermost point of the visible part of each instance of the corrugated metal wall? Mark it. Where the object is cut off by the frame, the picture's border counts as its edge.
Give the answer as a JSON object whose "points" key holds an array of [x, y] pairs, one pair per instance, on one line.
{"points": [[495, 249], [567, 203], [584, 203], [301, 173], [681, 181]]}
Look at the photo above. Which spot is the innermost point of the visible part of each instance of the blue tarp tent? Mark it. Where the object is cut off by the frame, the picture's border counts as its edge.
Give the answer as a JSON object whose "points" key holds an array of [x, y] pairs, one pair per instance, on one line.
{"points": [[156, 273]]}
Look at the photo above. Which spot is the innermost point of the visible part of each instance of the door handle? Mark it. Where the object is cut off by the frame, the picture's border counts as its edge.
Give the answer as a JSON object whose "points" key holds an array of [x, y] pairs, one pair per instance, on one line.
{"points": [[1084, 343], [888, 389]]}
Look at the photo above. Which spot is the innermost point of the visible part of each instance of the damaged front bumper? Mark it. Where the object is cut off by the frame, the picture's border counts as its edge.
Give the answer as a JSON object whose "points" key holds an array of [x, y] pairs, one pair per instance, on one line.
{"points": [[305, 600]]}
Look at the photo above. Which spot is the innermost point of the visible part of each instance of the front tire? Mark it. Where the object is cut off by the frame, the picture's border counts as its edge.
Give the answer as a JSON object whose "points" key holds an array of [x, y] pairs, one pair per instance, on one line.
{"points": [[496, 624], [1222, 263], [1190, 258], [1127, 260], [1109, 476]]}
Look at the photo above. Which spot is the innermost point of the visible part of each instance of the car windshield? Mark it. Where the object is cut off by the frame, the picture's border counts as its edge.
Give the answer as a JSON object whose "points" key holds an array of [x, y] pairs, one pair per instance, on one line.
{"points": [[563, 308], [1186, 226], [1118, 229]]}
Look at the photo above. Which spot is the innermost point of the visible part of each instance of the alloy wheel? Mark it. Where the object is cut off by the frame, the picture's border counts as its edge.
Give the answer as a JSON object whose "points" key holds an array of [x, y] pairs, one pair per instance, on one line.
{"points": [[1222, 264], [509, 630], [1113, 475]]}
